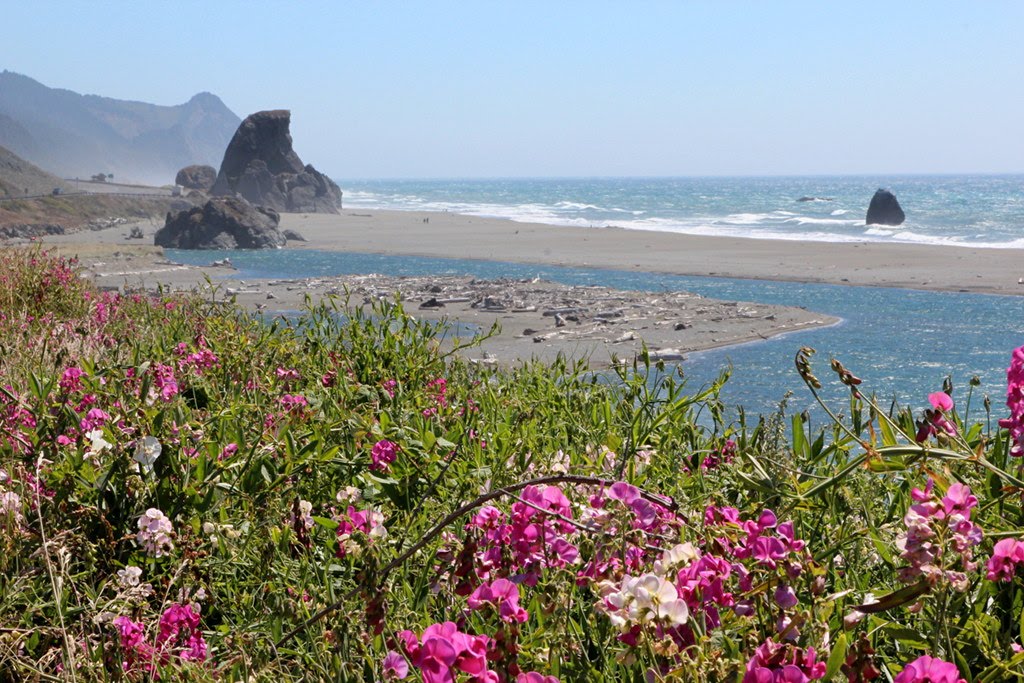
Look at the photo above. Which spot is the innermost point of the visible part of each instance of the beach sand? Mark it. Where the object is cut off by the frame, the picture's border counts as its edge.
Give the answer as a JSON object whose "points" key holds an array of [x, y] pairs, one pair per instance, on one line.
{"points": [[958, 269], [594, 323]]}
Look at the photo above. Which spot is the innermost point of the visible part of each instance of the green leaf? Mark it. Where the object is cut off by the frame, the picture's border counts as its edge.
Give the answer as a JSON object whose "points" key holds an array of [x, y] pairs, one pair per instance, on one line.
{"points": [[836, 657], [326, 522]]}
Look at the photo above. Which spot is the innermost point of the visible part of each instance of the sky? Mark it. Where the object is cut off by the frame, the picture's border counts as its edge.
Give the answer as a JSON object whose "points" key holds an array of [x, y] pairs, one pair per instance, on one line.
{"points": [[560, 88]]}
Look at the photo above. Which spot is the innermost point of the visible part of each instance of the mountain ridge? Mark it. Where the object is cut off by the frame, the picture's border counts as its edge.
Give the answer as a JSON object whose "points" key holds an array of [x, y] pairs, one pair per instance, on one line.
{"points": [[76, 135]]}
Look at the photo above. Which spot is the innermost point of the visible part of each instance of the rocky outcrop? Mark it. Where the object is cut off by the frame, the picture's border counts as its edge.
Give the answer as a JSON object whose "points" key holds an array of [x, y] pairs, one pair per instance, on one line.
{"points": [[222, 223], [197, 177], [261, 166], [885, 210]]}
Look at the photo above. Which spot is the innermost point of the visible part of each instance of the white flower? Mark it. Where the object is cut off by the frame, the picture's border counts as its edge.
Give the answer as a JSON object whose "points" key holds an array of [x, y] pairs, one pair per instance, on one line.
{"points": [[349, 494], [97, 444], [10, 506], [129, 576], [146, 452]]}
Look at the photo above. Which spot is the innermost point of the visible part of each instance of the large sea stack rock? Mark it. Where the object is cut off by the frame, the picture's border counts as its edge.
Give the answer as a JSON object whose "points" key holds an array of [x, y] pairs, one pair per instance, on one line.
{"points": [[885, 210], [222, 223], [261, 166], [198, 177]]}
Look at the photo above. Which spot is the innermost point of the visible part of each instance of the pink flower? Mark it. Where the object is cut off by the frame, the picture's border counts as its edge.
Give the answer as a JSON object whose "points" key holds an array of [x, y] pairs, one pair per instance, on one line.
{"points": [[395, 666], [941, 401], [444, 650], [927, 669], [534, 677], [1015, 402], [382, 455], [935, 419], [1006, 555], [782, 663], [502, 594]]}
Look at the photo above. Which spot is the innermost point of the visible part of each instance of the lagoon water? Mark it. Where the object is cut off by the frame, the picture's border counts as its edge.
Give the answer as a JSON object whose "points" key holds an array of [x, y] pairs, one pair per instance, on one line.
{"points": [[903, 343]]}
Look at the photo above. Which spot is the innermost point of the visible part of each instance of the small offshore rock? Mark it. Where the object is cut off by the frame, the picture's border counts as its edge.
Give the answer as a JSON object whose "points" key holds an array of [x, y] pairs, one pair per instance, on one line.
{"points": [[885, 209]]}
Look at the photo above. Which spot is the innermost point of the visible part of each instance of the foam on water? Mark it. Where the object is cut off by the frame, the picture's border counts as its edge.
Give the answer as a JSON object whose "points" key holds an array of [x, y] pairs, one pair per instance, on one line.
{"points": [[976, 211]]}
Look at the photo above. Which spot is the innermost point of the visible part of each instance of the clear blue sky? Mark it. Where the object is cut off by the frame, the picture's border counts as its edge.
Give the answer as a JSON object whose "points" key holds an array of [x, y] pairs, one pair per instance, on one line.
{"points": [[467, 89]]}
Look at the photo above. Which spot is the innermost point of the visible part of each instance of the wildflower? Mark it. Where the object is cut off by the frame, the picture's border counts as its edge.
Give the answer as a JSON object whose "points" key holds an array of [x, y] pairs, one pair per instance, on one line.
{"points": [[443, 650], [927, 669], [939, 533], [294, 403], [10, 507], [395, 666], [534, 677], [155, 533], [179, 629], [305, 516], [97, 444], [129, 576], [147, 450], [94, 419], [349, 494], [1006, 555], [71, 380], [502, 594], [287, 374], [935, 420], [228, 451], [1015, 402], [382, 455], [354, 525], [782, 662]]}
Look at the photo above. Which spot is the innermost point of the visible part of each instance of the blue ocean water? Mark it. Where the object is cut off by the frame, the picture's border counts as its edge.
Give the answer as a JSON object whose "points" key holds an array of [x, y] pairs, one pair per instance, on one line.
{"points": [[962, 210], [903, 343]]}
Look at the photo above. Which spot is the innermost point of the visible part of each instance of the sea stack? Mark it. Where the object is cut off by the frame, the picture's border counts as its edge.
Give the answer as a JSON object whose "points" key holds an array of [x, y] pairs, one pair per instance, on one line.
{"points": [[222, 223], [261, 167], [885, 210]]}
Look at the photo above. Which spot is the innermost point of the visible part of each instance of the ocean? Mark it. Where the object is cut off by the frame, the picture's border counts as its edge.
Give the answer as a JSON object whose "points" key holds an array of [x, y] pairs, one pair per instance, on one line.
{"points": [[977, 211], [903, 343]]}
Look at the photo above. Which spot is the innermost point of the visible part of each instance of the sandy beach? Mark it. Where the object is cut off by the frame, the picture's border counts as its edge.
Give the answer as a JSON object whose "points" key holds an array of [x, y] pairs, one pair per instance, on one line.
{"points": [[542, 319], [957, 269]]}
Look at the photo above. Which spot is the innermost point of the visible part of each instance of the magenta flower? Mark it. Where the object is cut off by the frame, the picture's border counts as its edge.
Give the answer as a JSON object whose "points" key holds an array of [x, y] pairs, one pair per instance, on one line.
{"points": [[1006, 555], [935, 420], [395, 667], [781, 663], [927, 669], [534, 677], [1015, 402], [382, 455], [444, 650], [502, 594]]}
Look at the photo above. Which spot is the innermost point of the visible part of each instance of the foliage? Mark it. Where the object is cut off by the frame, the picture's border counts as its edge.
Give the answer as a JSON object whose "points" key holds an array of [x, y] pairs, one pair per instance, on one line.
{"points": [[187, 492]]}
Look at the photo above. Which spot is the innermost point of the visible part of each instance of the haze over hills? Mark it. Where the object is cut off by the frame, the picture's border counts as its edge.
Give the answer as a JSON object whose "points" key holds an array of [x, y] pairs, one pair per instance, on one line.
{"points": [[74, 135], [18, 177]]}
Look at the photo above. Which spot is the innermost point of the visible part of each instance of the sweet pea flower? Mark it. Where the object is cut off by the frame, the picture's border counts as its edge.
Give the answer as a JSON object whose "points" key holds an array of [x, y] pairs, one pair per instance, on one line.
{"points": [[1006, 556], [147, 451], [395, 667], [927, 669]]}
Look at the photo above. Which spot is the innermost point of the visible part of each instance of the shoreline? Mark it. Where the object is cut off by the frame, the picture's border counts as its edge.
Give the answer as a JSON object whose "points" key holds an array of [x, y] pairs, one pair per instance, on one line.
{"points": [[872, 264], [115, 261]]}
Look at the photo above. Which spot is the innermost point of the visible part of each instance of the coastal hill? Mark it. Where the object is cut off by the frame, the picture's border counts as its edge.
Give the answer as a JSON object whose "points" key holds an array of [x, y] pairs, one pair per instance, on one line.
{"points": [[76, 135], [19, 178], [29, 207]]}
